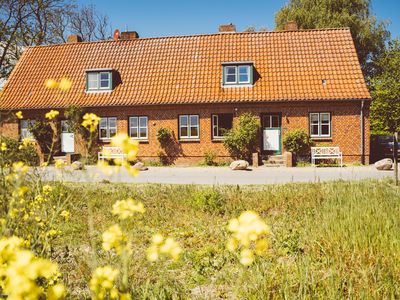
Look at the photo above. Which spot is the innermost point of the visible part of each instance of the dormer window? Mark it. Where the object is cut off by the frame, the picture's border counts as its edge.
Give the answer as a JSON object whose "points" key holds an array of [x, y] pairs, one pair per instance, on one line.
{"points": [[98, 80], [237, 74]]}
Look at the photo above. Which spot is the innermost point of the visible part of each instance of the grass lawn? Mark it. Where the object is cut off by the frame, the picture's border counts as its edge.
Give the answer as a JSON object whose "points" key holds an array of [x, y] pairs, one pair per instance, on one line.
{"points": [[330, 240]]}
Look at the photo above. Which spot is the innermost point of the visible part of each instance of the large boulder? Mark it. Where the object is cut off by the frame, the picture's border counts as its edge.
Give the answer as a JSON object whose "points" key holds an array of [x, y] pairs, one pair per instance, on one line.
{"points": [[77, 165], [239, 165], [140, 166], [384, 164]]}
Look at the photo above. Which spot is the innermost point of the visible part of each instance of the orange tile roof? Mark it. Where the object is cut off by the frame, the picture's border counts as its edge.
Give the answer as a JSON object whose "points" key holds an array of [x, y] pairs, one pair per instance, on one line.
{"points": [[187, 69]]}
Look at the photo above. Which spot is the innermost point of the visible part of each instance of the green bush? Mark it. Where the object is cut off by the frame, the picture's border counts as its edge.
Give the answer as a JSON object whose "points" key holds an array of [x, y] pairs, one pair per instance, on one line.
{"points": [[243, 139], [209, 200], [26, 154], [297, 141], [164, 136], [209, 158]]}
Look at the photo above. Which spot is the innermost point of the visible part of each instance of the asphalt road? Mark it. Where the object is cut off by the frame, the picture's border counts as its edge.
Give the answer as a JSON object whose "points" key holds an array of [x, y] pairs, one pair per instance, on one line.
{"points": [[218, 175]]}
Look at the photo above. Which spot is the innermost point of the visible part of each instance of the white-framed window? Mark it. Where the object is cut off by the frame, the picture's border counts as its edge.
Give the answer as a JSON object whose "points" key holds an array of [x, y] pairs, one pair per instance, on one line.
{"points": [[25, 132], [221, 123], [320, 125], [237, 74], [138, 127], [107, 128], [189, 127], [99, 80]]}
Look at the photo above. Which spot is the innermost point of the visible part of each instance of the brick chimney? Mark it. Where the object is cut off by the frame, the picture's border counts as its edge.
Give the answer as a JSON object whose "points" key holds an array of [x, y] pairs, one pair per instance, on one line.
{"points": [[227, 28], [74, 38], [291, 26], [129, 35]]}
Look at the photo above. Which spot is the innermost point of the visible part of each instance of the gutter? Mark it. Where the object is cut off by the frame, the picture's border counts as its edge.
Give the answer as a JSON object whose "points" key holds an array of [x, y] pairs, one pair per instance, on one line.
{"points": [[362, 144]]}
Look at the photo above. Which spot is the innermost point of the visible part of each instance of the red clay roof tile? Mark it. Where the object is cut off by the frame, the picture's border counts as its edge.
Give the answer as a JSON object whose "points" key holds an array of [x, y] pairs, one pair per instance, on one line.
{"points": [[187, 69]]}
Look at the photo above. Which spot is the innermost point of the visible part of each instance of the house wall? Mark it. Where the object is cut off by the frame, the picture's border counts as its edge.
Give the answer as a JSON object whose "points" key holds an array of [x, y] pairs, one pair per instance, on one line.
{"points": [[345, 126]]}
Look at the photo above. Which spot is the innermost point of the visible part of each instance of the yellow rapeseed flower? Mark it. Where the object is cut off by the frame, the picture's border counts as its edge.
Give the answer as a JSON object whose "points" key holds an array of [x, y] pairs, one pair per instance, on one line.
{"points": [[52, 114], [249, 234], [19, 115], [90, 121], [127, 208], [59, 164], [26, 142], [51, 84], [161, 246], [47, 189], [3, 147], [128, 146], [102, 284], [113, 238], [65, 84], [20, 168], [65, 215]]}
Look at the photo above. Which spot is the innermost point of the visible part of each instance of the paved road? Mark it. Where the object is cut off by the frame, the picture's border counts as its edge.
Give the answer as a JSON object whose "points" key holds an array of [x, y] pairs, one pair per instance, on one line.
{"points": [[220, 175]]}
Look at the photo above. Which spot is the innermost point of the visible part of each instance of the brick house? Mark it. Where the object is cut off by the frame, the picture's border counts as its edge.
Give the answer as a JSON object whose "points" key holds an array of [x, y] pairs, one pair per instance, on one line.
{"points": [[198, 85]]}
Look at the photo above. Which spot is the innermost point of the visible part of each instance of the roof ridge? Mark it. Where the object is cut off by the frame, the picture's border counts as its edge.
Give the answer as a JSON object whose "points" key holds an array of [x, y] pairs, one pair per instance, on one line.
{"points": [[195, 35]]}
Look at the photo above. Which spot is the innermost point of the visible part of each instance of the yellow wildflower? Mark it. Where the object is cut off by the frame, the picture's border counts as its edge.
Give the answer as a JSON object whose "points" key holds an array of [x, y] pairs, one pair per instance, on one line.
{"points": [[47, 189], [3, 147], [249, 233], [127, 208], [102, 283], [44, 164], [65, 215], [65, 84], [59, 164], [128, 146], [19, 115], [56, 292], [52, 233], [52, 114], [20, 168], [51, 84], [90, 121], [105, 167], [113, 238], [163, 247], [26, 142]]}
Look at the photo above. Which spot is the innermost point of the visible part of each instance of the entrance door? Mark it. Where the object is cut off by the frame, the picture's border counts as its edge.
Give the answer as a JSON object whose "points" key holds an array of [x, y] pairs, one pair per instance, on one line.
{"points": [[272, 133], [67, 138]]}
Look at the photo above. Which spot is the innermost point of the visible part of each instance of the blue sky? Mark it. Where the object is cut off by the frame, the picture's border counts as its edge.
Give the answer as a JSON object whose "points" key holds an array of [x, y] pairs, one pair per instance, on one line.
{"points": [[181, 17]]}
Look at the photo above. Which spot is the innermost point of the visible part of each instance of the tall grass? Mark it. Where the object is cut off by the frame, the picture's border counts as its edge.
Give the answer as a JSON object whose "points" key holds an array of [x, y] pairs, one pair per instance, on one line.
{"points": [[330, 240]]}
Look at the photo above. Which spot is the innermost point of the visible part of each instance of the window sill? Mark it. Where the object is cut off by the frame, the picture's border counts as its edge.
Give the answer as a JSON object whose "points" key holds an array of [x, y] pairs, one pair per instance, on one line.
{"points": [[237, 85], [188, 140], [217, 140], [141, 141], [98, 91], [105, 140], [321, 139]]}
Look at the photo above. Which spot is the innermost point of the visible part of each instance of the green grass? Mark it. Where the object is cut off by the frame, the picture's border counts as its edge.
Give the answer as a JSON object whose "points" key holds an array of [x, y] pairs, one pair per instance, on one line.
{"points": [[330, 240]]}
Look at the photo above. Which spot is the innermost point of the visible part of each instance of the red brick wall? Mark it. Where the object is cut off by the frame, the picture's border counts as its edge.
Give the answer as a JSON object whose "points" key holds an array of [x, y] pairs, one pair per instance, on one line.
{"points": [[345, 125]]}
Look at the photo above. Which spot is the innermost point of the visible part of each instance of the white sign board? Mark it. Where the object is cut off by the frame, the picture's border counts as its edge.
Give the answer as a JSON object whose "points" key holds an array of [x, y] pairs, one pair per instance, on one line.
{"points": [[271, 139]]}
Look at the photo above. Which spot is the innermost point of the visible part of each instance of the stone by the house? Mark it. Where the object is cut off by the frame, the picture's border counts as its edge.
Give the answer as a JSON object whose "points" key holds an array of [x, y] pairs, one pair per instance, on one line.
{"points": [[384, 164], [77, 165], [140, 166], [239, 165]]}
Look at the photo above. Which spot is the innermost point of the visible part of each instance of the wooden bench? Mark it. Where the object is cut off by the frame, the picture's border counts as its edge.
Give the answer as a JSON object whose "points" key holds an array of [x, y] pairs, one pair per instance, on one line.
{"points": [[108, 152], [326, 153]]}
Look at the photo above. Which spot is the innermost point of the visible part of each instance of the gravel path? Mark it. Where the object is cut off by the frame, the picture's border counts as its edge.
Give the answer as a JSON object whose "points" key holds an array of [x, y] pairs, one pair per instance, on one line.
{"points": [[219, 175]]}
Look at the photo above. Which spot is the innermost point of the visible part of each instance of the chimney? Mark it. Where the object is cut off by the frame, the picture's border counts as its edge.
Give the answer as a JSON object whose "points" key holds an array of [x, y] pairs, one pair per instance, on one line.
{"points": [[291, 26], [74, 38], [227, 28], [129, 35]]}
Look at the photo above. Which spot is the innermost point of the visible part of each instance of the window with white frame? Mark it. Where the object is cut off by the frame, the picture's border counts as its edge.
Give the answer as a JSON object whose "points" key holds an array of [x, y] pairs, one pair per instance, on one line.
{"points": [[97, 81], [107, 128], [138, 127], [237, 74], [221, 123], [320, 125], [25, 129], [189, 127]]}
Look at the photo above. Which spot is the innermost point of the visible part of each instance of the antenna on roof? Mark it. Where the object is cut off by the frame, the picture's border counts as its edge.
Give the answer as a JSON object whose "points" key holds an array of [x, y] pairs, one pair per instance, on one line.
{"points": [[126, 28]]}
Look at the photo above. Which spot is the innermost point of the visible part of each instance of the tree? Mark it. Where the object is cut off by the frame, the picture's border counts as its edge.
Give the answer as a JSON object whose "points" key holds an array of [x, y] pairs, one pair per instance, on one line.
{"points": [[36, 22], [243, 139], [385, 88], [369, 34]]}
